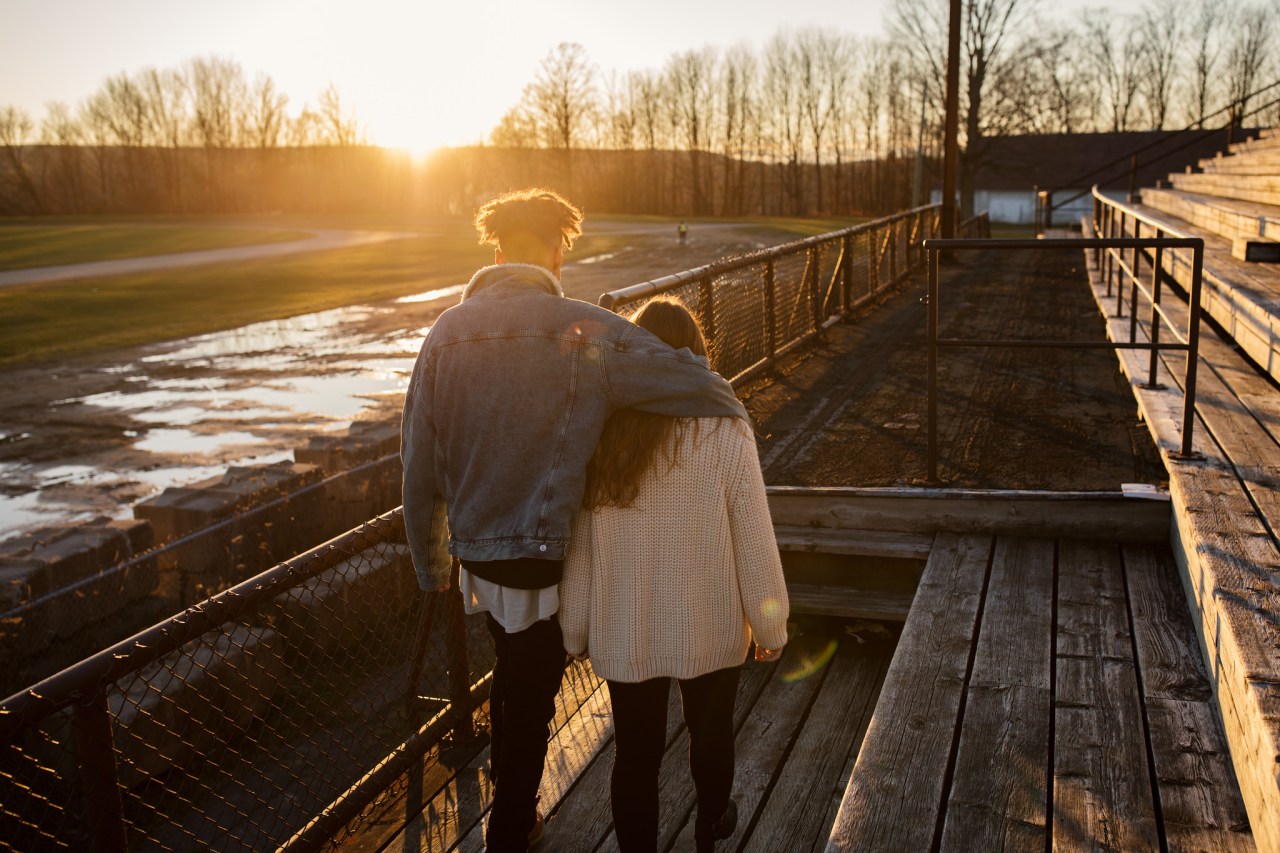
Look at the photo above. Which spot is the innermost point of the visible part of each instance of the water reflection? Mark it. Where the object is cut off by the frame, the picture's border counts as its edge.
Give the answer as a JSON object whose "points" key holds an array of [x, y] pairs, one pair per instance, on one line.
{"points": [[185, 411]]}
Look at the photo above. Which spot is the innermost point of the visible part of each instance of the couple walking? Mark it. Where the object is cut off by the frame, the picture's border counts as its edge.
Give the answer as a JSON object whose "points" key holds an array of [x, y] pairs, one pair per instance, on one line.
{"points": [[605, 499]]}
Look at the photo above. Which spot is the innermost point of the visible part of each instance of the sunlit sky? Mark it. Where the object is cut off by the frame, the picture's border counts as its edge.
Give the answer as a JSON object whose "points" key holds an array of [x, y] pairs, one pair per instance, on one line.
{"points": [[418, 74]]}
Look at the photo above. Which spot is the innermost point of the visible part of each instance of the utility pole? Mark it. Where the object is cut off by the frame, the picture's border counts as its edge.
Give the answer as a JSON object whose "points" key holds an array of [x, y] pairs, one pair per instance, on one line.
{"points": [[950, 142]]}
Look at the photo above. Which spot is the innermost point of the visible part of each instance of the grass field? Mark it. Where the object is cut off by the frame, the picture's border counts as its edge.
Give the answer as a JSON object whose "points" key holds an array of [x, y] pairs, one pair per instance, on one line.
{"points": [[34, 243], [57, 320]]}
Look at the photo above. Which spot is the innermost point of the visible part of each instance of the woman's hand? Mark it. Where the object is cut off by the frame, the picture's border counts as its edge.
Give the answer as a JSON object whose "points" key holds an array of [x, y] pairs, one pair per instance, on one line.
{"points": [[767, 655]]}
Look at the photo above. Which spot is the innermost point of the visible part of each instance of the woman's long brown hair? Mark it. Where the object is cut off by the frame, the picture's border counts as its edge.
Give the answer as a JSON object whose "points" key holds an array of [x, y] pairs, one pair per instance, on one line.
{"points": [[632, 440]]}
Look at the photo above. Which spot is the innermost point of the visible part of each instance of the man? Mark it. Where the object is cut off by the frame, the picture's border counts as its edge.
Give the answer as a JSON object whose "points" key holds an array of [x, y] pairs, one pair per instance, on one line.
{"points": [[508, 397]]}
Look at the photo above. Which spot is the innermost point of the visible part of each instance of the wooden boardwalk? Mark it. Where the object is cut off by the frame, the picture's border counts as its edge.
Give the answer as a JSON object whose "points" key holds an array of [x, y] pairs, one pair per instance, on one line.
{"points": [[1043, 691]]}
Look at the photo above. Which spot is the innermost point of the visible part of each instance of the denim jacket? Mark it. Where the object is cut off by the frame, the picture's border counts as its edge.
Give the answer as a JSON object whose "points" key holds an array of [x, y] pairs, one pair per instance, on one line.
{"points": [[508, 397]]}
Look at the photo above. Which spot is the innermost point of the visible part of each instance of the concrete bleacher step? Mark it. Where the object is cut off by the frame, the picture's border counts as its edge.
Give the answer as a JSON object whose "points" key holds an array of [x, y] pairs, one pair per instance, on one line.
{"points": [[1231, 219], [1268, 140], [1244, 299], [1265, 162], [1264, 189]]}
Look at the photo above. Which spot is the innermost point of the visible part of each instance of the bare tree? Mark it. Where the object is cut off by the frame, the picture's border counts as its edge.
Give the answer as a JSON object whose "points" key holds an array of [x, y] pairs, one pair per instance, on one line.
{"points": [[15, 132], [1160, 32], [783, 117], [1204, 60], [266, 113], [516, 129], [1114, 54], [338, 123], [217, 98], [1248, 56], [563, 92], [690, 76]]}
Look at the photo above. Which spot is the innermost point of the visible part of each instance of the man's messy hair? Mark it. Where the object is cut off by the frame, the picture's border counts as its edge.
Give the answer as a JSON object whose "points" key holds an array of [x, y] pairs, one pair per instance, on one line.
{"points": [[539, 213]]}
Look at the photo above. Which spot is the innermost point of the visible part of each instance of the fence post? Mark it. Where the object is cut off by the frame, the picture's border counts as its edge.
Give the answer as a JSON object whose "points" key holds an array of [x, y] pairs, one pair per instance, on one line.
{"points": [[1155, 318], [100, 782], [707, 308], [846, 275], [813, 280], [1193, 351], [932, 299], [459, 661], [770, 313], [893, 251]]}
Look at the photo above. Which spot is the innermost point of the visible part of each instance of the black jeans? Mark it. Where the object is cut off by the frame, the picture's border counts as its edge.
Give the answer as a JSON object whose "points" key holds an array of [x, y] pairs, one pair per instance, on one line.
{"points": [[522, 701], [640, 730]]}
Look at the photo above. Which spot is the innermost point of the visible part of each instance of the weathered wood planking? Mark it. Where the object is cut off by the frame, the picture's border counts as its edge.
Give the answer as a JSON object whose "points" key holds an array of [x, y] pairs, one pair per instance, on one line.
{"points": [[868, 543], [1199, 798], [795, 816], [1231, 572], [675, 785], [999, 790], [831, 600], [1102, 788], [1077, 515], [896, 790]]}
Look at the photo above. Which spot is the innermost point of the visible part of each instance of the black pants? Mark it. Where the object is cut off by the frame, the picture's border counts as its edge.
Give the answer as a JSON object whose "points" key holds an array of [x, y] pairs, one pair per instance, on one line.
{"points": [[526, 679], [640, 731]]}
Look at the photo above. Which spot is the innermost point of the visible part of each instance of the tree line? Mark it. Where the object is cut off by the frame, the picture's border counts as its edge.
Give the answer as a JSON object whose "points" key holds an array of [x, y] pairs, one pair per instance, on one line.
{"points": [[811, 122]]}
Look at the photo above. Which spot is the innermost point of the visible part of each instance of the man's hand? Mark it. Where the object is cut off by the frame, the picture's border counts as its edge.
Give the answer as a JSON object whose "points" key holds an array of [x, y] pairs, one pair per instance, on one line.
{"points": [[767, 655]]}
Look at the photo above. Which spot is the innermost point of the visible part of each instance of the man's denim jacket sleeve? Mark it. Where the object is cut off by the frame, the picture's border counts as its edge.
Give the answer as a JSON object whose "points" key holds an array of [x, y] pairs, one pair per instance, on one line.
{"points": [[420, 495], [644, 373]]}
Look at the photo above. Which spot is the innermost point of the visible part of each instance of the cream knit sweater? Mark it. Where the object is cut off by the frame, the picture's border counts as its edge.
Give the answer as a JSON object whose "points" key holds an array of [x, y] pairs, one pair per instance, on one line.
{"points": [[677, 583]]}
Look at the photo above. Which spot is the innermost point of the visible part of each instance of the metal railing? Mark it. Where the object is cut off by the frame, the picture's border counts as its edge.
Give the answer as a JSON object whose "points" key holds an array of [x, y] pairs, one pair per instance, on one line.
{"points": [[1191, 134], [1111, 240], [757, 307], [269, 716]]}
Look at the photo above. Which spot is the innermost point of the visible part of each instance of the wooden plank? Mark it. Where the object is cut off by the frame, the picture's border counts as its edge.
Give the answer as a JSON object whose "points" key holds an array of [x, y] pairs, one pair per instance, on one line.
{"points": [[762, 744], [1200, 800], [895, 793], [869, 543], [1078, 515], [1230, 570], [830, 600], [1102, 797], [584, 820], [799, 811], [999, 791]]}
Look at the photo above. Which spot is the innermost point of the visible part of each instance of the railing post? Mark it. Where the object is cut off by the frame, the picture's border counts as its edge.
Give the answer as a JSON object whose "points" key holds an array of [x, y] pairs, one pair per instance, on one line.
{"points": [[1133, 178], [707, 305], [932, 299], [1155, 319], [812, 279], [1133, 295], [894, 243], [459, 661], [771, 313], [846, 273], [1193, 352], [104, 809]]}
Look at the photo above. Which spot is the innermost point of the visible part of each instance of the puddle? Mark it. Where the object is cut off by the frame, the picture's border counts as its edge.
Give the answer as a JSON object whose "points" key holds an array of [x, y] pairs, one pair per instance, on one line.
{"points": [[186, 410]]}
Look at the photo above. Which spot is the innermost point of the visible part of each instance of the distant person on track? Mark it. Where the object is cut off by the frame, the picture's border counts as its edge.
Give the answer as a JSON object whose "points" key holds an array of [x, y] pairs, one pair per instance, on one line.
{"points": [[507, 400], [683, 231], [672, 571]]}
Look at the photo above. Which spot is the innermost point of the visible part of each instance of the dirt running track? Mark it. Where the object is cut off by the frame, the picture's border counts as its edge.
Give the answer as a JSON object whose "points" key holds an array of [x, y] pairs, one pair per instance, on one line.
{"points": [[853, 411]]}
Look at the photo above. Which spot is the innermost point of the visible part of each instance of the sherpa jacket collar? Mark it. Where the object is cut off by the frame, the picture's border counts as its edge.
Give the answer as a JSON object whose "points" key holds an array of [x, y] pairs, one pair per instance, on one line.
{"points": [[520, 273]]}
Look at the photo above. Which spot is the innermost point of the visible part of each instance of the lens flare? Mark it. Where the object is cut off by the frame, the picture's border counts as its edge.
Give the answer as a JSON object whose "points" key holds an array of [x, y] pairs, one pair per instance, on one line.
{"points": [[810, 665], [771, 607]]}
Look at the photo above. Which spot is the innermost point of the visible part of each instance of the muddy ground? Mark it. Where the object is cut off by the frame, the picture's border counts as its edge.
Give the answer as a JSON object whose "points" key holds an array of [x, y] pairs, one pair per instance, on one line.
{"points": [[91, 436]]}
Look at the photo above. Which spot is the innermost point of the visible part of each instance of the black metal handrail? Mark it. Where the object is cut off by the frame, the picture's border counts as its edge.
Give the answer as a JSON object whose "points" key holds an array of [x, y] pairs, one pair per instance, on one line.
{"points": [[1189, 342], [1045, 204]]}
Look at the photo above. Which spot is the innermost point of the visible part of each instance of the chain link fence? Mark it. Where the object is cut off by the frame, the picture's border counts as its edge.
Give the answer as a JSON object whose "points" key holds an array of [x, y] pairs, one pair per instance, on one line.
{"points": [[273, 714], [755, 308]]}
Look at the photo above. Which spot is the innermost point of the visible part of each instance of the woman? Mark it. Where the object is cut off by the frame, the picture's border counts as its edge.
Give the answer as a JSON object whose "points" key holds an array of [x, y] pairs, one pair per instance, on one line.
{"points": [[672, 570]]}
